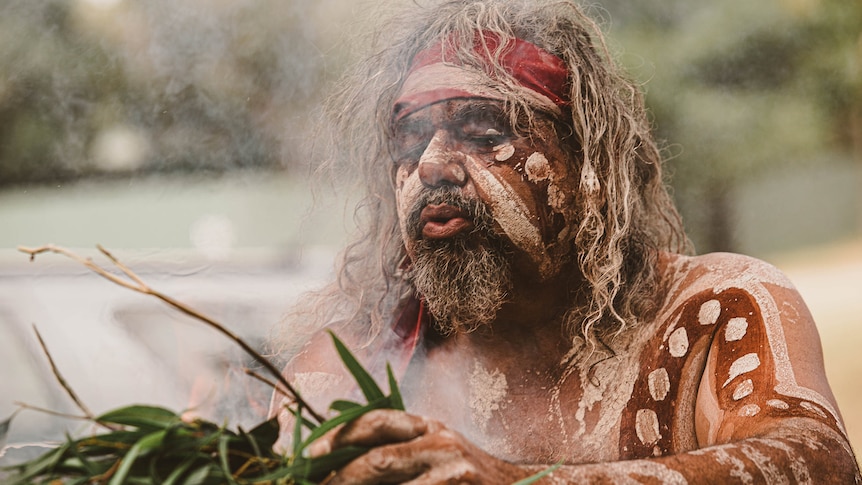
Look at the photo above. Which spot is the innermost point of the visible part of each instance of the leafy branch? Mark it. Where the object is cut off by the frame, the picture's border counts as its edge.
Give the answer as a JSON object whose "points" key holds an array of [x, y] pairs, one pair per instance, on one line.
{"points": [[151, 444]]}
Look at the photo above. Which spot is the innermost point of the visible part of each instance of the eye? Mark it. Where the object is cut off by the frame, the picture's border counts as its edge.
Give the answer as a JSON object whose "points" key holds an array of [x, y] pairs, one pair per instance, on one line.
{"points": [[490, 139], [409, 142], [485, 133]]}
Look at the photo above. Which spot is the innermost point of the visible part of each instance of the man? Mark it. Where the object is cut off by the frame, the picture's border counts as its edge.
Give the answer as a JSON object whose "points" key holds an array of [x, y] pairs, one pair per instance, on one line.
{"points": [[524, 270]]}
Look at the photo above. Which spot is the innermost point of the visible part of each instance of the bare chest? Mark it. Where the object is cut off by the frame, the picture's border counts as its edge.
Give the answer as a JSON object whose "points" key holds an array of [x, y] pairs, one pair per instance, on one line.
{"points": [[576, 412]]}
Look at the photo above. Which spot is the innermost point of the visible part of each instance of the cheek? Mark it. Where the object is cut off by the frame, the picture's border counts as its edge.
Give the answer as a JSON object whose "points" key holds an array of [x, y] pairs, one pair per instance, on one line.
{"points": [[408, 187], [512, 205]]}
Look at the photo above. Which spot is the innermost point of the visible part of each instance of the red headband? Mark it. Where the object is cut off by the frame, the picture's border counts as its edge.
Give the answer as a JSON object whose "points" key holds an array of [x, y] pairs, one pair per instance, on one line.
{"points": [[531, 66]]}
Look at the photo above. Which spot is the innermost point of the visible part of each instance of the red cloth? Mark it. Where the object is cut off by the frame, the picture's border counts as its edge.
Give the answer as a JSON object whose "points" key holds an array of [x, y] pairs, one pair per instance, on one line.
{"points": [[533, 67]]}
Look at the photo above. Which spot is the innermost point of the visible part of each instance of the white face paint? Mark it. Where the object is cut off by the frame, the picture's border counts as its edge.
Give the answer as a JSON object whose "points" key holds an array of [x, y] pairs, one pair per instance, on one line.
{"points": [[406, 193], [522, 208], [512, 214], [537, 168], [504, 152]]}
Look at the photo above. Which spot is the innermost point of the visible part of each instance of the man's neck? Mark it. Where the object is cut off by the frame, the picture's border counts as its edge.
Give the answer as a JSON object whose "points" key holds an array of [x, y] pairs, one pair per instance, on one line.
{"points": [[529, 325]]}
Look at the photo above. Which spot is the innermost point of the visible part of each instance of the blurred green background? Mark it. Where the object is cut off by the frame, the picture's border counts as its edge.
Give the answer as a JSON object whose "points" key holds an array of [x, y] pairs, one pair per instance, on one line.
{"points": [[181, 128]]}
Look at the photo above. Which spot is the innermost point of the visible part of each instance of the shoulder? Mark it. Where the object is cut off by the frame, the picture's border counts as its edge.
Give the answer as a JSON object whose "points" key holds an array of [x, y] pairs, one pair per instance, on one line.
{"points": [[716, 282], [719, 271], [765, 360]]}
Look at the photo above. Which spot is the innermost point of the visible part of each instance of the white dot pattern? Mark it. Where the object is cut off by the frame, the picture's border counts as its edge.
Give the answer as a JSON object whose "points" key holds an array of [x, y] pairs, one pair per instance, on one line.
{"points": [[744, 389], [659, 384], [736, 329], [678, 342], [709, 312], [646, 425], [746, 363]]}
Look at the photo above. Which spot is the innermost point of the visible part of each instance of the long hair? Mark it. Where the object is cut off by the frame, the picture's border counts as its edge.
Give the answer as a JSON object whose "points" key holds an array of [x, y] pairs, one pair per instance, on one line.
{"points": [[625, 215]]}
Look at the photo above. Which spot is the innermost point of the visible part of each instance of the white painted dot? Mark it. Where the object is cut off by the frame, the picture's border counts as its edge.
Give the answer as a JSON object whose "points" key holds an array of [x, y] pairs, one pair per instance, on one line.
{"points": [[659, 384], [814, 409], [504, 152], [678, 342], [646, 425], [746, 363], [709, 312], [777, 404], [745, 388], [736, 329], [537, 167], [749, 410]]}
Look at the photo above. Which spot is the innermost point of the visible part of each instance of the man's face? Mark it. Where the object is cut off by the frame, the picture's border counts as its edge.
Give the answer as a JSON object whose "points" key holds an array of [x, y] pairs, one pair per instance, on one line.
{"points": [[468, 147], [480, 206]]}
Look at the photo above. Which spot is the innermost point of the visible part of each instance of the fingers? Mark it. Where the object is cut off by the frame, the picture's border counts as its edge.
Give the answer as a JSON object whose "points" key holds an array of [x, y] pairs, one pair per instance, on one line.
{"points": [[375, 428], [429, 459]]}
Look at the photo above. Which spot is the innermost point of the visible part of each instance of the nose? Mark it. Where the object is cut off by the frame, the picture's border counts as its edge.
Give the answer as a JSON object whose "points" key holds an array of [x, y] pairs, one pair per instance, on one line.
{"points": [[440, 164]]}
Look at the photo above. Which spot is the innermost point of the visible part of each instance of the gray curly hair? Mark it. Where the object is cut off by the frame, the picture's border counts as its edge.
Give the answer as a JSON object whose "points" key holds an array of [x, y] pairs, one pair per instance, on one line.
{"points": [[619, 229]]}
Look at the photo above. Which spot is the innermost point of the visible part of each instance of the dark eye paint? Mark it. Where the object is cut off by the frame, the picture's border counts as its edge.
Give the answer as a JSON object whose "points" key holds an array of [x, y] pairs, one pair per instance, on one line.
{"points": [[410, 140], [483, 126]]}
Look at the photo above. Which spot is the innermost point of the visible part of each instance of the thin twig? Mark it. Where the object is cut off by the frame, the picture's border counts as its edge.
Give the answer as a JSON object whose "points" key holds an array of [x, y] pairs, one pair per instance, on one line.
{"points": [[23, 405], [138, 285], [63, 383], [273, 385]]}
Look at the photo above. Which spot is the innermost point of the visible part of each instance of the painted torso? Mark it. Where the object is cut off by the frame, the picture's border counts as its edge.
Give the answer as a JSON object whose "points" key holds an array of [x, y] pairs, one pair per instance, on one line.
{"points": [[729, 370], [580, 406]]}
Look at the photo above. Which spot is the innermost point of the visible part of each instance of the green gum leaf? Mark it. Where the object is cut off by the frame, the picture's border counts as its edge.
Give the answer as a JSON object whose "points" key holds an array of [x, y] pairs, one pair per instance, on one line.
{"points": [[148, 418], [344, 417], [142, 447], [394, 393], [369, 388], [341, 405], [539, 476]]}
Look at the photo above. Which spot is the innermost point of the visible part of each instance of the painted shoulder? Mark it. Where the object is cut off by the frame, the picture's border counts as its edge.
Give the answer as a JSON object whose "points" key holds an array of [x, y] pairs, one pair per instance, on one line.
{"points": [[722, 302], [688, 275]]}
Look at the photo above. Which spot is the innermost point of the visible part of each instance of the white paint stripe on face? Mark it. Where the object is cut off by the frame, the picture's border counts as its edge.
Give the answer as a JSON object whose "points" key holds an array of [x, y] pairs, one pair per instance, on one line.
{"points": [[436, 153], [406, 197], [511, 213], [746, 363], [504, 152]]}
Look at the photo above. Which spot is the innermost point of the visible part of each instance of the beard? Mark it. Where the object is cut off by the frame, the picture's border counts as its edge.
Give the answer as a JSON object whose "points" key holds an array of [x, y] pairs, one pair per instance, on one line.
{"points": [[464, 279]]}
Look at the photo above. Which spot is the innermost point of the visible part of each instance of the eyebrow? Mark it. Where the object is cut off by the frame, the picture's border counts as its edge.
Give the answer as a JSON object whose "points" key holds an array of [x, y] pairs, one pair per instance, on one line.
{"points": [[409, 124], [479, 109]]}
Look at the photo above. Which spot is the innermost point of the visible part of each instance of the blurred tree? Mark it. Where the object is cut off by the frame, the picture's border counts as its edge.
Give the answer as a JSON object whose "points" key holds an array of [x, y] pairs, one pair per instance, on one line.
{"points": [[740, 87], [101, 87]]}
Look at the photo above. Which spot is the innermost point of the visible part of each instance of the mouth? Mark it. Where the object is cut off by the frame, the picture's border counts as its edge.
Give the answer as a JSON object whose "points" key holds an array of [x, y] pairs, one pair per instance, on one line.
{"points": [[442, 221]]}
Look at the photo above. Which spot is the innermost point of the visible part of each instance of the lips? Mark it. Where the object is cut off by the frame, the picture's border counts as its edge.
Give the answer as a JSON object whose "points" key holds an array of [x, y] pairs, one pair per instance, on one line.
{"points": [[441, 221]]}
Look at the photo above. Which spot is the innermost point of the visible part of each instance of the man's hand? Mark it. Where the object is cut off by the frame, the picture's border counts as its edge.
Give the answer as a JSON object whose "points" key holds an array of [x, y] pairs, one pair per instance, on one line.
{"points": [[411, 448]]}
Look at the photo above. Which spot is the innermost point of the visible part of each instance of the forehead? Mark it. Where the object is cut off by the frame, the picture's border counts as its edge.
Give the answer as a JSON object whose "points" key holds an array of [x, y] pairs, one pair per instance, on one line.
{"points": [[457, 110], [438, 83]]}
